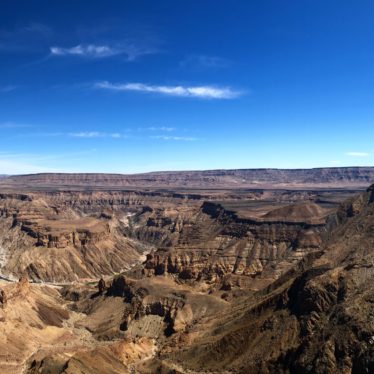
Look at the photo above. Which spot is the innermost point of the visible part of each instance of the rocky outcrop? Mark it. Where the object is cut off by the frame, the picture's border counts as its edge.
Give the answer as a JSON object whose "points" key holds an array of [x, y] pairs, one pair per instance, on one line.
{"points": [[120, 287], [159, 308], [316, 320], [62, 234], [140, 305], [3, 298], [101, 286], [53, 240], [216, 242]]}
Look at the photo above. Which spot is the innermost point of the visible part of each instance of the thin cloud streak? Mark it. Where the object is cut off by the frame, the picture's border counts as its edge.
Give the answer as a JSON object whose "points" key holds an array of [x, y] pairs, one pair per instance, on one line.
{"points": [[155, 128], [203, 61], [358, 154], [34, 158], [201, 92], [12, 125], [15, 167], [30, 37], [95, 134], [91, 50], [175, 138], [131, 51], [23, 163], [6, 89], [80, 134]]}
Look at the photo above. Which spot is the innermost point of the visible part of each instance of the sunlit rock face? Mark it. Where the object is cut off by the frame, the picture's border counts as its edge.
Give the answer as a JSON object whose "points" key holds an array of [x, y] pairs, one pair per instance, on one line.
{"points": [[63, 236], [241, 178]]}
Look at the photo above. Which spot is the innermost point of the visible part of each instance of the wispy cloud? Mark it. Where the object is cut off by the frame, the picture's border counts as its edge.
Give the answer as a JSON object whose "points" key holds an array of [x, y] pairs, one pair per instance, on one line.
{"points": [[29, 37], [335, 162], [358, 154], [175, 138], [25, 163], [12, 125], [203, 61], [77, 134], [201, 92], [155, 128], [37, 28], [13, 163], [16, 167], [131, 51], [91, 50], [8, 88], [95, 134]]}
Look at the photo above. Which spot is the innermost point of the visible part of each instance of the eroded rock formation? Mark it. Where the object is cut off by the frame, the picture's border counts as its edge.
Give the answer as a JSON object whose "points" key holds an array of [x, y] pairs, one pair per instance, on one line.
{"points": [[220, 282]]}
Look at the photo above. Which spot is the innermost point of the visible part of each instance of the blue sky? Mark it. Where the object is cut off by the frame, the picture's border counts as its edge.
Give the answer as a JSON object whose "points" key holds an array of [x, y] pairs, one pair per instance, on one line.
{"points": [[135, 86]]}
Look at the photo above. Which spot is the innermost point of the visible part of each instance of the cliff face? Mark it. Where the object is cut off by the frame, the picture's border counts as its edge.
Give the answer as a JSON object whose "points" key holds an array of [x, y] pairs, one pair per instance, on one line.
{"points": [[67, 235], [55, 240], [214, 243], [339, 177], [318, 320]]}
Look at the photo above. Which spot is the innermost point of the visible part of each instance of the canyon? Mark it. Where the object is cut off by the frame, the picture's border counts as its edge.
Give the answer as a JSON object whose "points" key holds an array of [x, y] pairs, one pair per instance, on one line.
{"points": [[228, 271]]}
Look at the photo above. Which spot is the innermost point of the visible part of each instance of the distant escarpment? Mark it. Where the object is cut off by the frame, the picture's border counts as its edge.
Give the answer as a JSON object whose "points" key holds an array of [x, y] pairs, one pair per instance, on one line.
{"points": [[238, 178]]}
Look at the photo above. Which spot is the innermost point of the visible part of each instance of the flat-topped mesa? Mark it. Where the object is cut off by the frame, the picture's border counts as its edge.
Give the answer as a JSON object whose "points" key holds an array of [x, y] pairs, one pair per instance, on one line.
{"points": [[217, 243], [81, 236], [307, 212], [237, 178], [62, 233]]}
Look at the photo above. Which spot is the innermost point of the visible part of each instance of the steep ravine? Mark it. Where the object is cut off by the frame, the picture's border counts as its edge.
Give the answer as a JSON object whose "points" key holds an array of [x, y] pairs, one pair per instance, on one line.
{"points": [[64, 236]]}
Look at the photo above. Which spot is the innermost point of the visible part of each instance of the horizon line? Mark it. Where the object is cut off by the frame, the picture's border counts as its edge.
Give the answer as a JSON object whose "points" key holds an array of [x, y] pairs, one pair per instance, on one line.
{"points": [[185, 171]]}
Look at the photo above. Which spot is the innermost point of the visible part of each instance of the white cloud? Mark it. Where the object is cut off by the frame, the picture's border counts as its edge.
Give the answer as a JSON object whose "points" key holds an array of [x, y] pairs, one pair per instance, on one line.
{"points": [[130, 50], [95, 134], [90, 50], [176, 138], [335, 162], [161, 128], [358, 154], [202, 92]]}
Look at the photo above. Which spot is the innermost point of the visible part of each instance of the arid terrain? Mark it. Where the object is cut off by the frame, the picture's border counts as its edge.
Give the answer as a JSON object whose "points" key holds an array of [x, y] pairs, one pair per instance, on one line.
{"points": [[240, 178], [229, 271]]}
